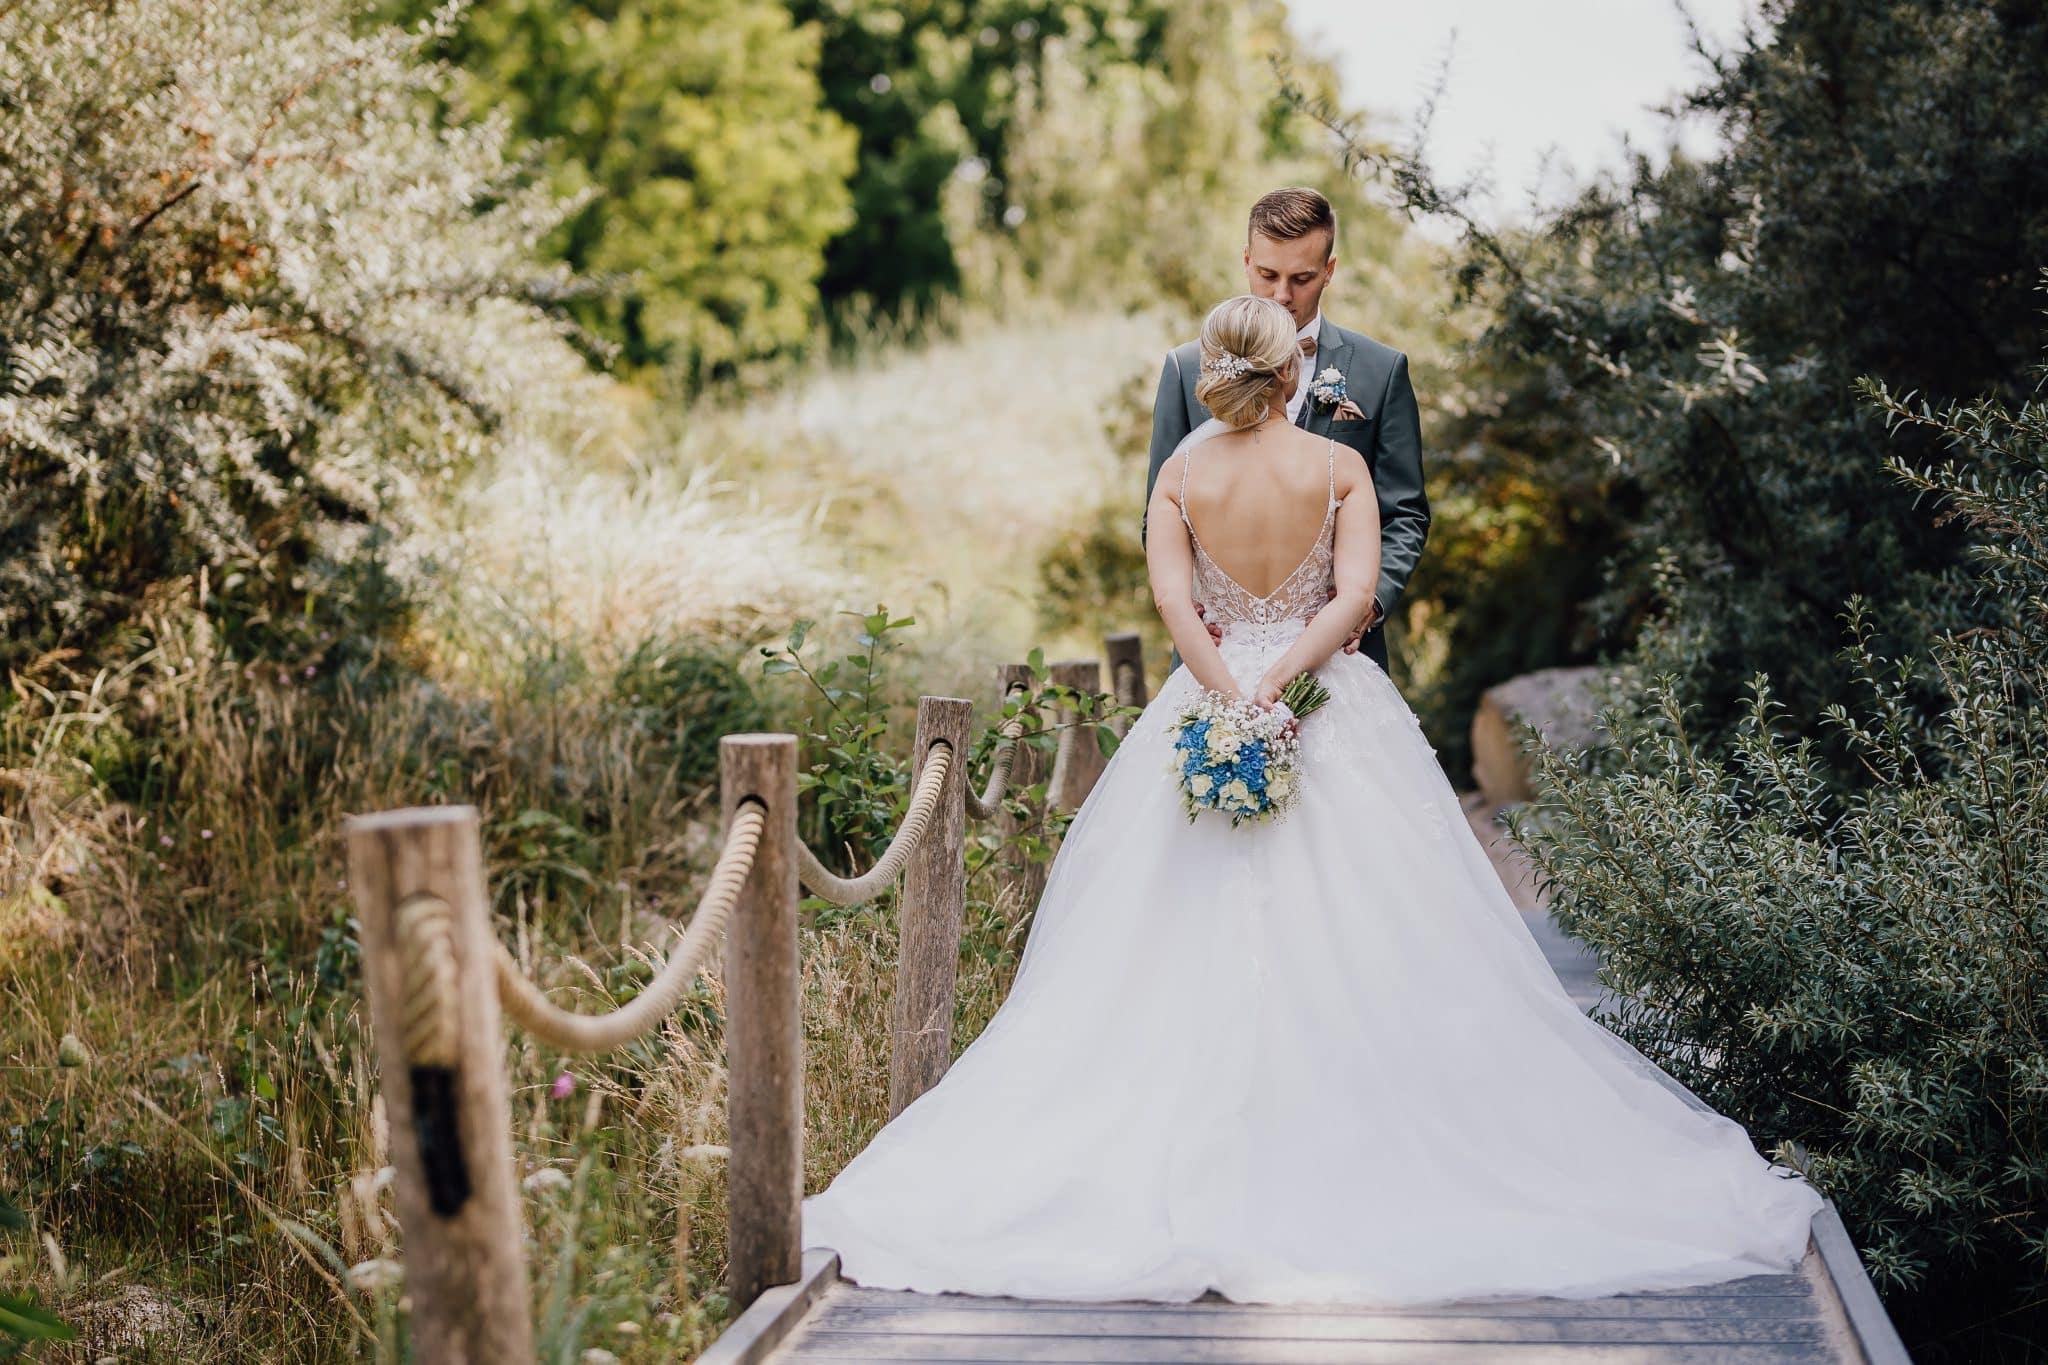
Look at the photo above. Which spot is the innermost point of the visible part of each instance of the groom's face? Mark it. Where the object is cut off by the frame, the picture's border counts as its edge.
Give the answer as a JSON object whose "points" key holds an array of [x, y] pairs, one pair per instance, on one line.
{"points": [[1292, 274]]}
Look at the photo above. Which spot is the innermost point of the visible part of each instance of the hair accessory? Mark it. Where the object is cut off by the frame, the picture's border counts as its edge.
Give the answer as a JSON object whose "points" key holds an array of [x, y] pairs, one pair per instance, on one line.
{"points": [[1229, 364]]}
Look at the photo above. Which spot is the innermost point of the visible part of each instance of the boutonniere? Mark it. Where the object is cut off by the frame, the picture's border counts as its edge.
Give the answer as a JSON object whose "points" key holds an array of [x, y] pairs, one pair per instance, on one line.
{"points": [[1328, 389]]}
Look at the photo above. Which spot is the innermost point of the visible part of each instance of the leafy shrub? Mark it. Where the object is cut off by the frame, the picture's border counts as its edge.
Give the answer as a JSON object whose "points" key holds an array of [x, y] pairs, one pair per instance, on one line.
{"points": [[1860, 968], [690, 694], [857, 788], [250, 303]]}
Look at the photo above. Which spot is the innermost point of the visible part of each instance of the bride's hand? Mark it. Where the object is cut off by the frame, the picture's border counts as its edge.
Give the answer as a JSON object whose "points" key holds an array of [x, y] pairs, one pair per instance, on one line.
{"points": [[1268, 694]]}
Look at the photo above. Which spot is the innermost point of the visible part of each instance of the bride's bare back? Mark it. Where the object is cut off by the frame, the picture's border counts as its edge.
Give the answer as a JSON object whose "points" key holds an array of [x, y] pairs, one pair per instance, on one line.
{"points": [[1258, 500]]}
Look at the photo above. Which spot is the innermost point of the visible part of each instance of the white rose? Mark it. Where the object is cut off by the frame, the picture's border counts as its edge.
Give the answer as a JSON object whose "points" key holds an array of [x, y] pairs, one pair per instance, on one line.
{"points": [[1200, 783]]}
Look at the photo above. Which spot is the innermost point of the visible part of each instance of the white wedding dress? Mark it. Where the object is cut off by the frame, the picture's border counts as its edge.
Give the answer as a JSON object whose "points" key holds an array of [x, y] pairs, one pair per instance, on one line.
{"points": [[1318, 1060]]}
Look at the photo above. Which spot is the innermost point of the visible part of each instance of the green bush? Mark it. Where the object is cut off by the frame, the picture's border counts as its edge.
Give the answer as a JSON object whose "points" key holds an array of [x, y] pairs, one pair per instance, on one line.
{"points": [[250, 305], [1862, 968], [688, 693]]}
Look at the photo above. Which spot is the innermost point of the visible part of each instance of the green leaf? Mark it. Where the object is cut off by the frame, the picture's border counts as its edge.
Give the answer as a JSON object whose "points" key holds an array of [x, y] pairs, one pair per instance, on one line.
{"points": [[773, 667], [798, 633], [1035, 661], [1105, 740], [21, 1319], [12, 1219]]}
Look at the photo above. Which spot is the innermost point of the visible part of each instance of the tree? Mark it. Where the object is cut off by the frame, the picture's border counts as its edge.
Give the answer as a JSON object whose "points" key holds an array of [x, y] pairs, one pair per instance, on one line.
{"points": [[1695, 331], [933, 86], [714, 178]]}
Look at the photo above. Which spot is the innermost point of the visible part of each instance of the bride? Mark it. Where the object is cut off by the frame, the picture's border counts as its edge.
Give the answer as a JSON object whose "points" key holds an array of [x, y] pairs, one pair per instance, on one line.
{"points": [[1316, 1060]]}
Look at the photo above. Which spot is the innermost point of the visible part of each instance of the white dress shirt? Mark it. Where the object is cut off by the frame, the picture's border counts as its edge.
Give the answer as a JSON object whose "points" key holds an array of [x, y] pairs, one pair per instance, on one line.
{"points": [[1301, 374]]}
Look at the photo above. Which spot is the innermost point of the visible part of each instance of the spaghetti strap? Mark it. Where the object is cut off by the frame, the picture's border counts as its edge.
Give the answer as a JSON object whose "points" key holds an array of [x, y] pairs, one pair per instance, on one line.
{"points": [[1333, 472], [1187, 459]]}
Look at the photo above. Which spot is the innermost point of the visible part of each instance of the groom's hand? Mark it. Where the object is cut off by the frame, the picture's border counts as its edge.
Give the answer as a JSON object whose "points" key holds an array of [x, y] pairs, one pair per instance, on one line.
{"points": [[1371, 615], [1215, 631]]}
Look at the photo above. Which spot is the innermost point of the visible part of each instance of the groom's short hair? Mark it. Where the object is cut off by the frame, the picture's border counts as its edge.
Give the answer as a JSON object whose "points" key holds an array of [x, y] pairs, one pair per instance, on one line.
{"points": [[1291, 213]]}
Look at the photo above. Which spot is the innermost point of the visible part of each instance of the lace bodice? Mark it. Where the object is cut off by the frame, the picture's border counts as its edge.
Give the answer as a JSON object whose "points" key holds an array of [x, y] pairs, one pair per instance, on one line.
{"points": [[1299, 596]]}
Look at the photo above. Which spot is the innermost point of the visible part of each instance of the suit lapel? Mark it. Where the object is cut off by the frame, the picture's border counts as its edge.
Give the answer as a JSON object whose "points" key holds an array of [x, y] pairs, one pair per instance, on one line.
{"points": [[1330, 350]]}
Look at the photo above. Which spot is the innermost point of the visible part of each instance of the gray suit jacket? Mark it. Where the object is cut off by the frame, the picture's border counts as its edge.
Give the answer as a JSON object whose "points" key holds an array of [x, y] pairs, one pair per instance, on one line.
{"points": [[1389, 437]]}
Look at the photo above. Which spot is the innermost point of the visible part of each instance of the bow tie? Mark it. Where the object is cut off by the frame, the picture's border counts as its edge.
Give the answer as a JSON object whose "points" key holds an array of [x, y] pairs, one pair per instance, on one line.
{"points": [[1308, 346]]}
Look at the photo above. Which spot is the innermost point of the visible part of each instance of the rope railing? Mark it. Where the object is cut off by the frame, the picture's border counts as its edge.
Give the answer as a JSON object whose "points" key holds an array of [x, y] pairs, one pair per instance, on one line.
{"points": [[440, 986], [573, 1032], [821, 880], [989, 803]]}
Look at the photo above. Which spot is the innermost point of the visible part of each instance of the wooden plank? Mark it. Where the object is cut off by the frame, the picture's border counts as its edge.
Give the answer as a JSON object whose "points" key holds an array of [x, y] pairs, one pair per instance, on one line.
{"points": [[1852, 1294], [770, 1318], [809, 1344], [1781, 1306], [1788, 1287], [1327, 1327]]}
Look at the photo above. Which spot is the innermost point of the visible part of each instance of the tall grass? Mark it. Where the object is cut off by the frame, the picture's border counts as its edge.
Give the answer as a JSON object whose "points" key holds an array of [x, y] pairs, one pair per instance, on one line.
{"points": [[205, 1160]]}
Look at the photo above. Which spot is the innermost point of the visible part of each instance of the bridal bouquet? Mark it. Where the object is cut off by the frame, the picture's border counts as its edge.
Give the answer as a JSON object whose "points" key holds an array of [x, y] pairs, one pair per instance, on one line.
{"points": [[1233, 757]]}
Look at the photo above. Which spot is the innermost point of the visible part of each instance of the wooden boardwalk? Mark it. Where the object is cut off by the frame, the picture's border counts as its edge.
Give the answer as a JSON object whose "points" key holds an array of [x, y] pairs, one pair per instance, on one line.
{"points": [[1826, 1312]]}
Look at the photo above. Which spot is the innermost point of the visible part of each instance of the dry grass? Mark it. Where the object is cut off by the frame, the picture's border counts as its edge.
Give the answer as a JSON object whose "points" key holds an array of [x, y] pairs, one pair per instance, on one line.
{"points": [[943, 473], [223, 1140], [205, 1174]]}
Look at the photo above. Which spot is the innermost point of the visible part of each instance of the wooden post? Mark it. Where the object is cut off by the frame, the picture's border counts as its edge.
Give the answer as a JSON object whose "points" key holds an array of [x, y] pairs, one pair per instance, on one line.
{"points": [[1126, 671], [1025, 877], [764, 1027], [1081, 761], [418, 879], [928, 916]]}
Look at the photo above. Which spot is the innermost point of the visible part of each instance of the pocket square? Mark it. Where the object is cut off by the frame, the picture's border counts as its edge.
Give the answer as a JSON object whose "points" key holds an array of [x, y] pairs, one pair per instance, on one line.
{"points": [[1347, 408]]}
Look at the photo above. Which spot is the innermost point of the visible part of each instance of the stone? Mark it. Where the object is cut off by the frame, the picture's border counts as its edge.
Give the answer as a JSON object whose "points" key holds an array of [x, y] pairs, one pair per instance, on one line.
{"points": [[1557, 701]]}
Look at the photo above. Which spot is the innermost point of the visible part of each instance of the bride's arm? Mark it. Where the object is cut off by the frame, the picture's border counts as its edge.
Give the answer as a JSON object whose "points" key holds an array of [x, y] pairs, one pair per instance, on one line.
{"points": [[1357, 568], [1170, 563]]}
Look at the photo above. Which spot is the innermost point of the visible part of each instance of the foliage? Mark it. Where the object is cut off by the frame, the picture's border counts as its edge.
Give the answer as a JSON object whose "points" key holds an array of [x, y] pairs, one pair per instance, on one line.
{"points": [[1861, 970], [1697, 328], [690, 694], [1096, 572], [247, 303], [1131, 182], [857, 788], [22, 1320], [1520, 533], [714, 175], [933, 89]]}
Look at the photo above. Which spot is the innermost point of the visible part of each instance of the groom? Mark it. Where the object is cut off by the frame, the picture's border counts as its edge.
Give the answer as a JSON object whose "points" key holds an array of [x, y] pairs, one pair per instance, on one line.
{"points": [[1290, 254]]}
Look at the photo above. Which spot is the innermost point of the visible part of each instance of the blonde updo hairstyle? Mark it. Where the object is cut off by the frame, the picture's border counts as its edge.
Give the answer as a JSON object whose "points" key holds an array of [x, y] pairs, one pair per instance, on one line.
{"points": [[1263, 333]]}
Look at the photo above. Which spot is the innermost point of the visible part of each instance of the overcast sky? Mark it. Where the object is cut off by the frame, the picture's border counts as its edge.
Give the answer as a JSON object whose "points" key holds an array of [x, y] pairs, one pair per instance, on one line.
{"points": [[1524, 75]]}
